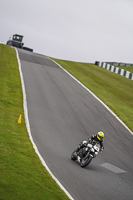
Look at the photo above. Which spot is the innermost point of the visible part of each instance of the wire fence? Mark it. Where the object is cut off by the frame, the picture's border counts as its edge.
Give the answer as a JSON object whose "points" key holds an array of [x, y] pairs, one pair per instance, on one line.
{"points": [[119, 64]]}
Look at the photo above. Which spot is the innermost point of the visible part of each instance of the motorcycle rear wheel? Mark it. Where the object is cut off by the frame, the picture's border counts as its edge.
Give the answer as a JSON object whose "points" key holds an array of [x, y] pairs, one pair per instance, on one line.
{"points": [[74, 156]]}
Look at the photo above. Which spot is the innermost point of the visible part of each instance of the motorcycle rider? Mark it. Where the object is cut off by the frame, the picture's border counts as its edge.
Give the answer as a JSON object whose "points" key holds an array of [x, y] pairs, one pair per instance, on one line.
{"points": [[99, 137]]}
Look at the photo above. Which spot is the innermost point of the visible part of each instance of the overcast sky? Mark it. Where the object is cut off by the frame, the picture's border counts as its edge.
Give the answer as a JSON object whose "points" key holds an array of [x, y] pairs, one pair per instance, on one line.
{"points": [[77, 30]]}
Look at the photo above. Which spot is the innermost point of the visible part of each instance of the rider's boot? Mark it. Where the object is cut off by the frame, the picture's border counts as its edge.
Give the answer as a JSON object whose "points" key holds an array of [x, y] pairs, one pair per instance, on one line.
{"points": [[79, 147]]}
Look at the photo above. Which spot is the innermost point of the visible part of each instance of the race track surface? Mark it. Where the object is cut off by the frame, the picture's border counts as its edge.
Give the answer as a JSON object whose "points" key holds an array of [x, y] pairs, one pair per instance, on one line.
{"points": [[62, 114]]}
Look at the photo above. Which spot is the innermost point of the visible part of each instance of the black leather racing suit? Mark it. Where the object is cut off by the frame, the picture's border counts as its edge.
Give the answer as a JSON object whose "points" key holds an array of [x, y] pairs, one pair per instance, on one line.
{"points": [[92, 138]]}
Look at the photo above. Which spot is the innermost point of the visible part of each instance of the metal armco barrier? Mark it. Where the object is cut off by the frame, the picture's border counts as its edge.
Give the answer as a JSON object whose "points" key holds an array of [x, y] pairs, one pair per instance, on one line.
{"points": [[116, 70]]}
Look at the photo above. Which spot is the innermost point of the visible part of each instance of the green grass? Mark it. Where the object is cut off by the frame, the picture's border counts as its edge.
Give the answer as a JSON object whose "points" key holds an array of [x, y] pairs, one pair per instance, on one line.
{"points": [[127, 68], [22, 175], [114, 90]]}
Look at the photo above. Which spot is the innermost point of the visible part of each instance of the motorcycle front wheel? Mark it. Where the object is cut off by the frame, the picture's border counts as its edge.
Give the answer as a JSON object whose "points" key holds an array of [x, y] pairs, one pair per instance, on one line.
{"points": [[85, 162]]}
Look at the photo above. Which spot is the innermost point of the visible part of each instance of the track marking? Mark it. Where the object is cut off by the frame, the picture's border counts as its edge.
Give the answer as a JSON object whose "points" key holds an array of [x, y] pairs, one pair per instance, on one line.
{"points": [[113, 168], [29, 130]]}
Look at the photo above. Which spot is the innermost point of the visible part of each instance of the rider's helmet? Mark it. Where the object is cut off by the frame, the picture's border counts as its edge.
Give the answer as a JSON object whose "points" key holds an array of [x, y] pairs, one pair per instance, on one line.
{"points": [[100, 136]]}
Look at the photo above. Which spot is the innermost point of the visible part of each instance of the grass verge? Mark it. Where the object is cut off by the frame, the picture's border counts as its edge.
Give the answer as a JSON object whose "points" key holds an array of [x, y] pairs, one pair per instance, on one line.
{"points": [[114, 90], [22, 176], [127, 68]]}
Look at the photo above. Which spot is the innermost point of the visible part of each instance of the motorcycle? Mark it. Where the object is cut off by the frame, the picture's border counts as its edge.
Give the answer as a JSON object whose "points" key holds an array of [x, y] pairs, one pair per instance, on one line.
{"points": [[84, 155]]}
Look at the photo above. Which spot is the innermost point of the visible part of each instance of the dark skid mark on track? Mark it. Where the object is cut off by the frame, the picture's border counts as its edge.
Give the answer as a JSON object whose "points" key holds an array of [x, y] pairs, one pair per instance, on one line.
{"points": [[37, 60]]}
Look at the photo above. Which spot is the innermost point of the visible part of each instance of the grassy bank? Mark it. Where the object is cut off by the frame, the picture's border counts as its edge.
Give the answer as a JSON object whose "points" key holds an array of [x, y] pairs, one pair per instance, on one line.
{"points": [[114, 90], [127, 68], [22, 175]]}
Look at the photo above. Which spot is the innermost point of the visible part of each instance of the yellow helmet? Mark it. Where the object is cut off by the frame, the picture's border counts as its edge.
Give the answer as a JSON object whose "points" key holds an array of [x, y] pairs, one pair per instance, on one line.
{"points": [[100, 136]]}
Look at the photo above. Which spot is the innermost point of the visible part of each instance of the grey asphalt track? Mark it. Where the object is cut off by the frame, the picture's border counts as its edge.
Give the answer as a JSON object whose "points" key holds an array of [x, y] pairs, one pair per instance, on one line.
{"points": [[62, 113]]}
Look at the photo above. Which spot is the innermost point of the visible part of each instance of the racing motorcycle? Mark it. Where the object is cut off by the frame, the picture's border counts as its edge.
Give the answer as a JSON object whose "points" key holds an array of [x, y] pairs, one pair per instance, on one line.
{"points": [[84, 155]]}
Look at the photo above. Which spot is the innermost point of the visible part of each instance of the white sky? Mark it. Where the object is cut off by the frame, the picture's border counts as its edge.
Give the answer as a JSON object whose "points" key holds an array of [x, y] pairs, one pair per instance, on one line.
{"points": [[77, 30]]}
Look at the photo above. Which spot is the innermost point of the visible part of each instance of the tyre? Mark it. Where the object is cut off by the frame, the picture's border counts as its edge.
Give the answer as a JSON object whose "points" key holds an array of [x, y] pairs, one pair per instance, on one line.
{"points": [[84, 163], [74, 156]]}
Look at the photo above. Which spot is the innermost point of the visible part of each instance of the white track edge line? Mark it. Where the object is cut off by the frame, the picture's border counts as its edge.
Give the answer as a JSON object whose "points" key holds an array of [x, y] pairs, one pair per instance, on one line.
{"points": [[95, 97], [29, 130]]}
